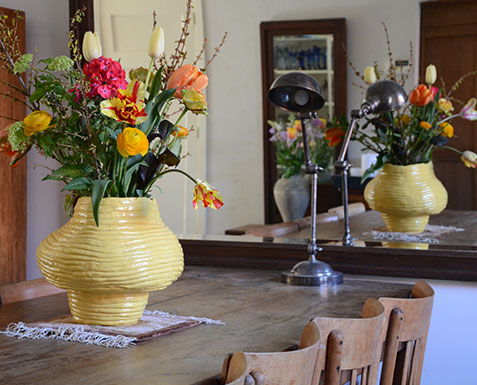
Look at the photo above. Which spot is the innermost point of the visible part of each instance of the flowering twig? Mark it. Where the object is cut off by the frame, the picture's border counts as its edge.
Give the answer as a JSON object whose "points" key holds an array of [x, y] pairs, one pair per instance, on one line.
{"points": [[12, 64], [392, 68], [201, 53], [217, 49]]}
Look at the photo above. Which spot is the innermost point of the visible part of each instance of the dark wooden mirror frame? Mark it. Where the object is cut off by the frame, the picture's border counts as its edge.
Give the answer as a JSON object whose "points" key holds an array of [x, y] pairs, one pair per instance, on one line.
{"points": [[258, 253], [269, 29]]}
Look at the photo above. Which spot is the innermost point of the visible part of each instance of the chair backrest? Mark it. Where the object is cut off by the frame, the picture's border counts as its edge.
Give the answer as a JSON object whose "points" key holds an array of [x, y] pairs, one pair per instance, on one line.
{"points": [[283, 368], [237, 369], [353, 347], [24, 290], [406, 327]]}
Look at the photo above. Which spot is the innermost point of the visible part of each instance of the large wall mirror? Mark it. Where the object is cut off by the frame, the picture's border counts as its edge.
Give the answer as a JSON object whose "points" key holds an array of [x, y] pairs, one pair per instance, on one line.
{"points": [[451, 258], [314, 47]]}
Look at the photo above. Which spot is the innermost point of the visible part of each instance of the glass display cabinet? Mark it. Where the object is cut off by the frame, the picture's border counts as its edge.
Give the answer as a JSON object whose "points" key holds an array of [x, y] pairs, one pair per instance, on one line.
{"points": [[314, 47]]}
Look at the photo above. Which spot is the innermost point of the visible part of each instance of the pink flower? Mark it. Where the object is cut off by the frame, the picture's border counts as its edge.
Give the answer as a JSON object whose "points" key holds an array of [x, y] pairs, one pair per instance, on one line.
{"points": [[105, 76], [468, 111]]}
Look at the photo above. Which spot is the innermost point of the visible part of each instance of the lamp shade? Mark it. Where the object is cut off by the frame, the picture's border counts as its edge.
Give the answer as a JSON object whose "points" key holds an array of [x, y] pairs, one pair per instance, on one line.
{"points": [[383, 96], [296, 92]]}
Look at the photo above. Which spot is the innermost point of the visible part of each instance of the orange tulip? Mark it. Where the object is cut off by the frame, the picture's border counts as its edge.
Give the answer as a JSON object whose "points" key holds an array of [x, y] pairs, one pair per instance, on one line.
{"points": [[420, 96], [334, 136], [187, 77]]}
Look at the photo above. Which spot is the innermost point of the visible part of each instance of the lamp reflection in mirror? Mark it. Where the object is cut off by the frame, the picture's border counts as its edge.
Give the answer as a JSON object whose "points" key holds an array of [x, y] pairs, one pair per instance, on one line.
{"points": [[382, 96], [301, 94]]}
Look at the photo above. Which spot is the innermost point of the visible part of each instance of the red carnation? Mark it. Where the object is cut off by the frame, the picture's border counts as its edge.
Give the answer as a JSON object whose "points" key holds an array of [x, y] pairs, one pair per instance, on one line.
{"points": [[105, 77]]}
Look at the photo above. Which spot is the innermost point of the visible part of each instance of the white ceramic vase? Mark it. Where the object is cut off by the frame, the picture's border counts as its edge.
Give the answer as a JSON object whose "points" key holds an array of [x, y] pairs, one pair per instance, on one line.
{"points": [[292, 196]]}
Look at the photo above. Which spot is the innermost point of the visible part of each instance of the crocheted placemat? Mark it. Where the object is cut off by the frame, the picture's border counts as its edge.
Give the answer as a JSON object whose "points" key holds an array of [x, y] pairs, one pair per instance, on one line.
{"points": [[431, 234], [151, 325]]}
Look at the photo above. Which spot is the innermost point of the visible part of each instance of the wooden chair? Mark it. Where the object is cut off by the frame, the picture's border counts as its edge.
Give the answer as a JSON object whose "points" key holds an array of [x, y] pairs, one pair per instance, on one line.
{"points": [[353, 347], [280, 368], [24, 290], [238, 369], [406, 326]]}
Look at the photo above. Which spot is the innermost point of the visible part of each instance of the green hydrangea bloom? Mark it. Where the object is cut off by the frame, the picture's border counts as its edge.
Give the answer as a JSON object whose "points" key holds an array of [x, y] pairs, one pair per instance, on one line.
{"points": [[23, 63], [60, 63], [18, 140]]}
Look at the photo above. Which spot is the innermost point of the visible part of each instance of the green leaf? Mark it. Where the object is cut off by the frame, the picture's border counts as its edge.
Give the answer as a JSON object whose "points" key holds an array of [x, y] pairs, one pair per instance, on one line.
{"points": [[162, 98], [72, 171], [156, 83], [133, 160], [80, 183], [37, 94], [97, 194], [128, 175]]}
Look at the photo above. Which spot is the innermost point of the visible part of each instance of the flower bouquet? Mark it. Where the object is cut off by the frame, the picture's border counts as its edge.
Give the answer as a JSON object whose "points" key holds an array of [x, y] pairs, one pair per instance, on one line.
{"points": [[112, 136], [291, 190], [411, 134], [406, 190], [290, 156], [113, 139]]}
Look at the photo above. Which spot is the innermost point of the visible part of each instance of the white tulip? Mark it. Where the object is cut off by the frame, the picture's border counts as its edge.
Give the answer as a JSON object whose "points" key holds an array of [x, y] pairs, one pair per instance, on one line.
{"points": [[91, 46], [369, 75], [156, 43], [431, 74]]}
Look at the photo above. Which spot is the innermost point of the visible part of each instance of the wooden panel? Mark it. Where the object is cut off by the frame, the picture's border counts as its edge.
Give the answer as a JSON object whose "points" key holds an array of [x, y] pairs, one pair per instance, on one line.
{"points": [[12, 185], [448, 40]]}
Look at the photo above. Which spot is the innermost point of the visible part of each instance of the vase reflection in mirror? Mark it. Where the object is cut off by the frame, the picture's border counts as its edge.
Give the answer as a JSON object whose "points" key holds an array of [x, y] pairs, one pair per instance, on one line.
{"points": [[382, 96], [302, 94]]}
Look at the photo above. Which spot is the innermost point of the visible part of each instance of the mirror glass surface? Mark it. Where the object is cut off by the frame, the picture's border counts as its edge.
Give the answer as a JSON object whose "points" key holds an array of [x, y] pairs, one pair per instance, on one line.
{"points": [[312, 54]]}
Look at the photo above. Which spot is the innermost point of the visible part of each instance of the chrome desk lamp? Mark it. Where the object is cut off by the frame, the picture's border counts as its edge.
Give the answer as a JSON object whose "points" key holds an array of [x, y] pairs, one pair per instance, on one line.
{"points": [[300, 93], [382, 96]]}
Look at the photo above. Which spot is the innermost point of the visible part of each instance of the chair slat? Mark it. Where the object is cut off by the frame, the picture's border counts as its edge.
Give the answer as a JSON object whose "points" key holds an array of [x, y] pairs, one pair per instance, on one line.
{"points": [[411, 328]]}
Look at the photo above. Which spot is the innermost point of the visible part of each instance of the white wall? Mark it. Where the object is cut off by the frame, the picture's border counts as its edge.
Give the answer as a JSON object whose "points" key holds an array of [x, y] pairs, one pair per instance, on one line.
{"points": [[47, 28]]}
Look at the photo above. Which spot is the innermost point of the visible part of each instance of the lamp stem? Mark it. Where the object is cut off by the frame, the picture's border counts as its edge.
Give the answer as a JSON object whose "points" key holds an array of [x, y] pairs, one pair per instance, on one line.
{"points": [[312, 169], [343, 165]]}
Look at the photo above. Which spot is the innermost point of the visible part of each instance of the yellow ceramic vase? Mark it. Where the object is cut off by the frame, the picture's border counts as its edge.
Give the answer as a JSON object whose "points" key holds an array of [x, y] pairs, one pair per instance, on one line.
{"points": [[406, 196], [108, 271]]}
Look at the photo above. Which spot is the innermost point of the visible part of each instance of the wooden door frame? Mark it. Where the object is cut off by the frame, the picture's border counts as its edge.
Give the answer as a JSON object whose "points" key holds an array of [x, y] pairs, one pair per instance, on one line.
{"points": [[269, 29]]}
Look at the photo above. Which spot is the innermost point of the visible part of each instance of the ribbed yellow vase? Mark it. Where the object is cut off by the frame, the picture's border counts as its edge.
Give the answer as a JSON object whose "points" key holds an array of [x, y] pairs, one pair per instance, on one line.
{"points": [[406, 196], [108, 271]]}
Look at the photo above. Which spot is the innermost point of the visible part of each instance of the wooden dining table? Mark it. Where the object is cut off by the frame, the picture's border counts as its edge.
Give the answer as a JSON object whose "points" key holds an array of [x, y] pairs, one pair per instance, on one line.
{"points": [[260, 314]]}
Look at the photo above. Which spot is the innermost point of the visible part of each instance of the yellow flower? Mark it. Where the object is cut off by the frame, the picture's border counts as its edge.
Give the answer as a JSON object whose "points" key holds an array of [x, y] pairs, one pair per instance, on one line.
{"points": [[445, 106], [194, 100], [469, 158], [128, 106], [425, 125], [447, 130], [208, 195], [182, 132], [405, 119], [131, 142], [36, 121]]}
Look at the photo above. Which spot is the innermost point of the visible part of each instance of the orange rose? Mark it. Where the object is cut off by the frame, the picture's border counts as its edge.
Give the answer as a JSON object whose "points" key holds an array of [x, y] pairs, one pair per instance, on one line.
{"points": [[420, 96], [187, 77]]}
